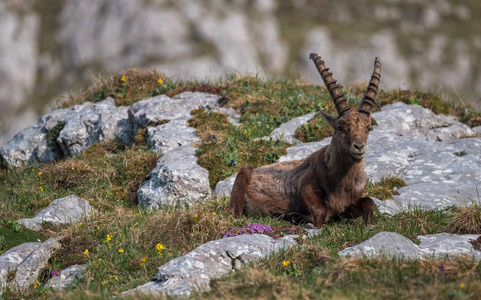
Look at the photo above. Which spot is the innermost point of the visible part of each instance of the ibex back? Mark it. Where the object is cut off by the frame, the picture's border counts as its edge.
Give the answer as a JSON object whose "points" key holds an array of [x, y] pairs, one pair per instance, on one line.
{"points": [[329, 182]]}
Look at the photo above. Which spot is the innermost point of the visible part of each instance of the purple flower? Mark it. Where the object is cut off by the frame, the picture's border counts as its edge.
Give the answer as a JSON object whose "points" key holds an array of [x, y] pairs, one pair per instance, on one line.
{"points": [[232, 161], [213, 136]]}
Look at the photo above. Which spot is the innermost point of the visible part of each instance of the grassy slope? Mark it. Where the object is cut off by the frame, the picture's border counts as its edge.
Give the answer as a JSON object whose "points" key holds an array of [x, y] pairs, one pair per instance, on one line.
{"points": [[123, 245]]}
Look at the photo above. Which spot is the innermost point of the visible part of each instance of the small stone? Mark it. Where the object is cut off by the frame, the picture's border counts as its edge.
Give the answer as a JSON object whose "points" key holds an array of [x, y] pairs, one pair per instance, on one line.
{"points": [[65, 210]]}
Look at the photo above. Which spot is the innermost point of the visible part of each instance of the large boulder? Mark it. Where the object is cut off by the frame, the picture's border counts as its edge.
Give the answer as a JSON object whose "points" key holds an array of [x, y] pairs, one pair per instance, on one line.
{"points": [[10, 260], [194, 271], [65, 210], [177, 179]]}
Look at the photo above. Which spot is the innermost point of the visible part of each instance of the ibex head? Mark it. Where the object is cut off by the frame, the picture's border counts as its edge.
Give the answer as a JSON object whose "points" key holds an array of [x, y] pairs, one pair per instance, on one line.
{"points": [[351, 128]]}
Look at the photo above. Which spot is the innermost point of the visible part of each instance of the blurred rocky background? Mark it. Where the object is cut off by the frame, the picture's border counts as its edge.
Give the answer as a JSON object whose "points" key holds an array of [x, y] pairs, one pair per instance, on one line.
{"points": [[48, 47]]}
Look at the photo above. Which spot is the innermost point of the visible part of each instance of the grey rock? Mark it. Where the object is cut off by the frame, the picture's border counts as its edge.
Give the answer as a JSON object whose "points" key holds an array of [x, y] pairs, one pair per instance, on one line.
{"points": [[61, 211], [477, 131], [441, 246], [161, 108], [193, 271], [10, 260], [447, 245], [301, 151], [91, 123], [388, 244], [66, 278], [223, 188], [287, 130], [30, 145], [27, 271], [169, 136], [177, 179], [419, 122]]}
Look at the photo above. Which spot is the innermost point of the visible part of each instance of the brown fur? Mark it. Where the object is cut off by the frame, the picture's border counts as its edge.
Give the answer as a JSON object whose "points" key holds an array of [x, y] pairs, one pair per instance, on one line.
{"points": [[328, 183]]}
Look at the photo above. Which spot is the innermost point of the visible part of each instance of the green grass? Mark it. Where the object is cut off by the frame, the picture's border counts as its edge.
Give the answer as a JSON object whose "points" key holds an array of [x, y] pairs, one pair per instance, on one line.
{"points": [[12, 235]]}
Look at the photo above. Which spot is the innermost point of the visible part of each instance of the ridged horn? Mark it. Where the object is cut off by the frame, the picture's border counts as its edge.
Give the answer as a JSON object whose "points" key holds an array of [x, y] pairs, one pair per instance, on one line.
{"points": [[337, 96], [367, 102]]}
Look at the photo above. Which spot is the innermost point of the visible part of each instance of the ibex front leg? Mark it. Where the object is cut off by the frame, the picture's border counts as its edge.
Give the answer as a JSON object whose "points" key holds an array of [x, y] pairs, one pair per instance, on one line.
{"points": [[364, 207], [315, 205]]}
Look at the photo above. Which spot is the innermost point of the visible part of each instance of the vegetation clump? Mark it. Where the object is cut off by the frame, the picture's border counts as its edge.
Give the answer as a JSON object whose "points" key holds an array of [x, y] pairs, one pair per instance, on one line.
{"points": [[385, 188]]}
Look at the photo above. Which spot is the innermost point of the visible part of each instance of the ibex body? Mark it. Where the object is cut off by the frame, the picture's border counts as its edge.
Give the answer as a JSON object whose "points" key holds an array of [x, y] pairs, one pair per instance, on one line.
{"points": [[329, 182]]}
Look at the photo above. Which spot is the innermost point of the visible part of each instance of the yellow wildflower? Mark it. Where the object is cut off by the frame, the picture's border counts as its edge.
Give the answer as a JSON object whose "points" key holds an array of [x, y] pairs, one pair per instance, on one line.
{"points": [[100, 259], [159, 81], [116, 278], [51, 281], [462, 285], [245, 131], [195, 216], [214, 213], [121, 250], [159, 247], [39, 173], [86, 252], [73, 168], [286, 263], [124, 78], [35, 286], [80, 224]]}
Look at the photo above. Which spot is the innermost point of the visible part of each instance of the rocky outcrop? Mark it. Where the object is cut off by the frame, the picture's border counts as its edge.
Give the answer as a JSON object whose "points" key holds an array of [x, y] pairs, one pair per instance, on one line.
{"points": [[287, 131], [194, 271], [65, 210], [177, 179], [66, 278], [390, 244], [25, 262], [68, 132]]}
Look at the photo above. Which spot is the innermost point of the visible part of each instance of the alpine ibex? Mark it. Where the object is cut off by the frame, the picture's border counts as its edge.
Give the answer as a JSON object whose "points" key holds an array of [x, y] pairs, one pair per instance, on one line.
{"points": [[329, 182]]}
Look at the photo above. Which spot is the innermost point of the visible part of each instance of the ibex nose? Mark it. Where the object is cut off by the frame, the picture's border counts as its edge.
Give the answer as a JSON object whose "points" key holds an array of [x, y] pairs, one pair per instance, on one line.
{"points": [[359, 147]]}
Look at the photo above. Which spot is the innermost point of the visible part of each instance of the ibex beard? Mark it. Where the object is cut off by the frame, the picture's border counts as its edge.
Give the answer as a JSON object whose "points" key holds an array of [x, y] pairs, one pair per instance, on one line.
{"points": [[328, 183]]}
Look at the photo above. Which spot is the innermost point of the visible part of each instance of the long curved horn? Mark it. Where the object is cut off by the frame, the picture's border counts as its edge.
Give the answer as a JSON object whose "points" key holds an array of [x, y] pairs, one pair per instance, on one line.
{"points": [[337, 96], [367, 102]]}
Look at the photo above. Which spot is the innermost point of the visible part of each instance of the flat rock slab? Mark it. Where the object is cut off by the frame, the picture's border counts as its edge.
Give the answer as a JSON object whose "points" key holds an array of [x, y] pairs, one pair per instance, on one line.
{"points": [[177, 179], [166, 137], [193, 271], [67, 277], [390, 244], [65, 210], [385, 243]]}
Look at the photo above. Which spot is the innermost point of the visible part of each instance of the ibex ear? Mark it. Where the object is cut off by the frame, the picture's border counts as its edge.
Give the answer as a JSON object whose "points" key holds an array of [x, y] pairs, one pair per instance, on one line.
{"points": [[329, 119]]}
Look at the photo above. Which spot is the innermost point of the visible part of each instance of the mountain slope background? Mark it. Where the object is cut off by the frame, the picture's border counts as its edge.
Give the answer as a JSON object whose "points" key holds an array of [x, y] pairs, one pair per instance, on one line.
{"points": [[50, 47]]}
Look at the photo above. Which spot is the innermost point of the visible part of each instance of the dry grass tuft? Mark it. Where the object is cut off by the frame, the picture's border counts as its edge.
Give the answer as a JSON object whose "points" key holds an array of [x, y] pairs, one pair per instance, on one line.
{"points": [[466, 220]]}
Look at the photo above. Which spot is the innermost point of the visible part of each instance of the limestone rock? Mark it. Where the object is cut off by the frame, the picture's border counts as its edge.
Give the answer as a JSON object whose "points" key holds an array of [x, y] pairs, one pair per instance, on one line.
{"points": [[171, 135], [67, 277], [418, 122], [10, 260], [288, 130], [224, 188], [193, 271], [177, 179], [445, 245], [91, 123], [61, 211], [388, 244], [442, 246], [29, 269]]}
